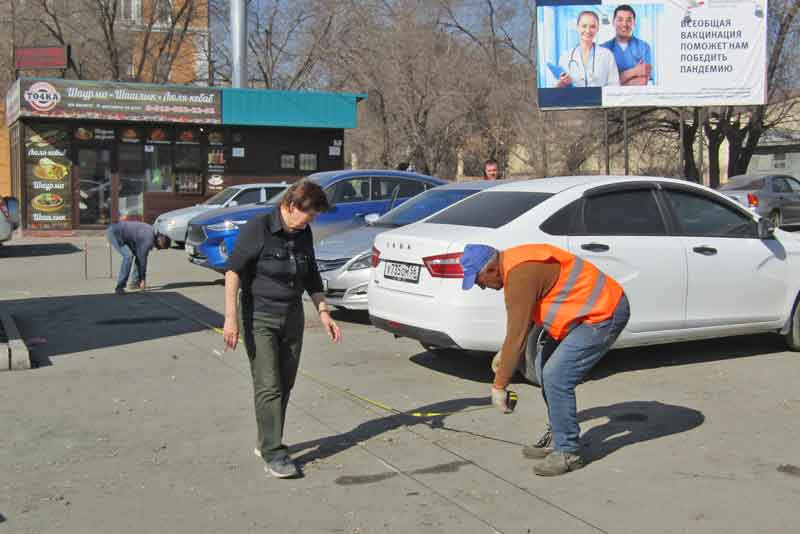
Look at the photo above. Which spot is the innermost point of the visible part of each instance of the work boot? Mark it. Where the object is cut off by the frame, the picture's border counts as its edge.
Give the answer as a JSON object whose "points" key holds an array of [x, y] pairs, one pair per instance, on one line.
{"points": [[120, 291], [557, 463], [541, 448], [282, 467]]}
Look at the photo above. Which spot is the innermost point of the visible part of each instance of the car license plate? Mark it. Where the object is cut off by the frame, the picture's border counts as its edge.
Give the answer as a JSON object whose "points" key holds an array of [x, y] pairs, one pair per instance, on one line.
{"points": [[190, 250], [402, 272]]}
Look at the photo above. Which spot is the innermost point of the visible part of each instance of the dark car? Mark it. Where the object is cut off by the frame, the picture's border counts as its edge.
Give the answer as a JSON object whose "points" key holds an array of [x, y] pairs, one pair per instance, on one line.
{"points": [[776, 196], [352, 195]]}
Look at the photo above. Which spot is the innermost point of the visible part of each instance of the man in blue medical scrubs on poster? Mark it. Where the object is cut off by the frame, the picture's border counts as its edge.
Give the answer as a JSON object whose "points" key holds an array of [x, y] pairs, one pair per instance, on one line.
{"points": [[631, 53]]}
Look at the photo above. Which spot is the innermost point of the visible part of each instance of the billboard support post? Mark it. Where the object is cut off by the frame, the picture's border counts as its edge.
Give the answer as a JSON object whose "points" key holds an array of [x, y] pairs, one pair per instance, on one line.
{"points": [[681, 169], [607, 147], [625, 136], [700, 174]]}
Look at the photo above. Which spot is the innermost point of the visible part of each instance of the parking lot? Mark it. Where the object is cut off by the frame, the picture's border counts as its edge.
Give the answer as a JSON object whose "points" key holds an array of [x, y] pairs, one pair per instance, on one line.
{"points": [[135, 420]]}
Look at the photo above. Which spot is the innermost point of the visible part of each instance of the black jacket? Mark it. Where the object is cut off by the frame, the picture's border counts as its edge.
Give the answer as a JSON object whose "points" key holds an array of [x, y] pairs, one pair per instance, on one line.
{"points": [[275, 266]]}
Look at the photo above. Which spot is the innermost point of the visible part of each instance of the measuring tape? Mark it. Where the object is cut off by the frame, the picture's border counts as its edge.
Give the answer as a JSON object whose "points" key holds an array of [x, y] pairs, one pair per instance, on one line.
{"points": [[512, 397]]}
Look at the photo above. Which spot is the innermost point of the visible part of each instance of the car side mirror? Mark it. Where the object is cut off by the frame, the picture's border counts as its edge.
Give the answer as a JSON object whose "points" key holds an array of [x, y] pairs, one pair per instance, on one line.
{"points": [[233, 203], [766, 230], [371, 218]]}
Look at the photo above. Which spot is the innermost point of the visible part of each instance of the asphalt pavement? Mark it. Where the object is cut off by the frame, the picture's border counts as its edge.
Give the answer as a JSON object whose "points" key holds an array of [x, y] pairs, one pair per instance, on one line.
{"points": [[134, 419]]}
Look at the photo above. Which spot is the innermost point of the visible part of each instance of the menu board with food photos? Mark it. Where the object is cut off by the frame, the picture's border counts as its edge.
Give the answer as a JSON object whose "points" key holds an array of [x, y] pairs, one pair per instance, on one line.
{"points": [[130, 135], [160, 134], [86, 134], [49, 177], [188, 136]]}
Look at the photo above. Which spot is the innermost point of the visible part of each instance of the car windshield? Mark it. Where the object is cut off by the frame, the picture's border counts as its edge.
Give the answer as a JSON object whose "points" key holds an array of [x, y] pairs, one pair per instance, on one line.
{"points": [[744, 183], [274, 200], [421, 206], [491, 209], [222, 197]]}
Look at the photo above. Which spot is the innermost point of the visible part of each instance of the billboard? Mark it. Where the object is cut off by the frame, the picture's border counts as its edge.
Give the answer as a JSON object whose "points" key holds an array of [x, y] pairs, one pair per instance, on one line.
{"points": [[76, 99], [651, 53], [41, 57]]}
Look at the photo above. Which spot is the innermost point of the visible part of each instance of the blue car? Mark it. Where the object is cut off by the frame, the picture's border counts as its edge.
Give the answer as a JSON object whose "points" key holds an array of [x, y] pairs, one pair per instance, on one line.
{"points": [[352, 195]]}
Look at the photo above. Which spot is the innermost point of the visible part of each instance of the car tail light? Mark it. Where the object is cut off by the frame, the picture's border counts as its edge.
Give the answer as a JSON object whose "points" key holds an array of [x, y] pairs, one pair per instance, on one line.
{"points": [[752, 200], [4, 209], [376, 257], [444, 265]]}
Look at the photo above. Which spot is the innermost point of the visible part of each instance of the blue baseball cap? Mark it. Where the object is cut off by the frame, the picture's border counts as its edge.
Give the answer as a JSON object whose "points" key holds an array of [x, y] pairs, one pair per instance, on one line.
{"points": [[474, 258]]}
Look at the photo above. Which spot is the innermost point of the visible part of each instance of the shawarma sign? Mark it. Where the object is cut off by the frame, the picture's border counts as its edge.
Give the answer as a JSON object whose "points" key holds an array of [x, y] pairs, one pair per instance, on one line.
{"points": [[77, 99]]}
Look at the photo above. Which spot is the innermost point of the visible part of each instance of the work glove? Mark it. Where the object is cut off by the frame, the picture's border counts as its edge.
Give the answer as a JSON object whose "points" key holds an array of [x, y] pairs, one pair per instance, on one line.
{"points": [[504, 399]]}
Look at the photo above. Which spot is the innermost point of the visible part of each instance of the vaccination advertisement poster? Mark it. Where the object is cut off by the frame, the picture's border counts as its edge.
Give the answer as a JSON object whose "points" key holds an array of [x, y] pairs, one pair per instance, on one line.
{"points": [[651, 53]]}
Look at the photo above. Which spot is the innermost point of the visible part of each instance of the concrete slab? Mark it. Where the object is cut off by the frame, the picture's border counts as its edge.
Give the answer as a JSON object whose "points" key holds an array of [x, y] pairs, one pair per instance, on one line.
{"points": [[19, 357]]}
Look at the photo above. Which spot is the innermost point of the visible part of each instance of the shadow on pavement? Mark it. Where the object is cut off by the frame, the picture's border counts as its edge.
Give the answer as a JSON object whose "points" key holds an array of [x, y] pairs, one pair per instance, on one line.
{"points": [[351, 316], [633, 422], [432, 415], [475, 366], [39, 249], [54, 326], [635, 359], [185, 285]]}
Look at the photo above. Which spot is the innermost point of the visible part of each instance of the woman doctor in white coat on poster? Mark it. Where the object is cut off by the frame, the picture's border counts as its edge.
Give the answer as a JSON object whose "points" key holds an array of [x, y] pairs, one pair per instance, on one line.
{"points": [[588, 65]]}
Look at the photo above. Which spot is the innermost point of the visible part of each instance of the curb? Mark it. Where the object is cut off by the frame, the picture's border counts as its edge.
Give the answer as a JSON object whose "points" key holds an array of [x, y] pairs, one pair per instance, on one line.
{"points": [[19, 357]]}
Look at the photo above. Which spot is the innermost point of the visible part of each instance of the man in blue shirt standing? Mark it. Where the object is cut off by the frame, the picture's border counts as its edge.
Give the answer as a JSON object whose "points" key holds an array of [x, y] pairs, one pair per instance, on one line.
{"points": [[631, 53]]}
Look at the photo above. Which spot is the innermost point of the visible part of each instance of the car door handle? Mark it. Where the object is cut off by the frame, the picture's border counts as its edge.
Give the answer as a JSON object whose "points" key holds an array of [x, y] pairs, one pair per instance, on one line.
{"points": [[595, 247], [705, 251]]}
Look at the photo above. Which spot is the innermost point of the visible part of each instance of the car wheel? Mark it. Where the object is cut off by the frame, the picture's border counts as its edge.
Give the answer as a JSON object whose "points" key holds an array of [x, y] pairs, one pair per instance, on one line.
{"points": [[792, 337], [776, 218], [527, 365]]}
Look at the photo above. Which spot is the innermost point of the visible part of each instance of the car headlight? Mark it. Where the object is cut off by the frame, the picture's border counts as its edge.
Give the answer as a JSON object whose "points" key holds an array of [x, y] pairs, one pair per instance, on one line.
{"points": [[358, 290], [364, 261], [225, 226]]}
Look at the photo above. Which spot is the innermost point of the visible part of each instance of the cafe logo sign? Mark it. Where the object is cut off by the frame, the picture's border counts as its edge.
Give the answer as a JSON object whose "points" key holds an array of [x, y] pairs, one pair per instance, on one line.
{"points": [[42, 96]]}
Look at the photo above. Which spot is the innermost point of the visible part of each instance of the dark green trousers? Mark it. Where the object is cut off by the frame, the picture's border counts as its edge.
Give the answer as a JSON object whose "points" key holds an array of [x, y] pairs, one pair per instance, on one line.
{"points": [[273, 343]]}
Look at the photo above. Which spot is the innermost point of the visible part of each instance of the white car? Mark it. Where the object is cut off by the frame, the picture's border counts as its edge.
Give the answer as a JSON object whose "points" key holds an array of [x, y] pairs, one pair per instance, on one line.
{"points": [[9, 217], [175, 223], [693, 263]]}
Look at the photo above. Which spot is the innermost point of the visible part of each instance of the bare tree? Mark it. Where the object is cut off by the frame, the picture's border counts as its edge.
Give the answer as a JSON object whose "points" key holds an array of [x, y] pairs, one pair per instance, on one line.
{"points": [[110, 40]]}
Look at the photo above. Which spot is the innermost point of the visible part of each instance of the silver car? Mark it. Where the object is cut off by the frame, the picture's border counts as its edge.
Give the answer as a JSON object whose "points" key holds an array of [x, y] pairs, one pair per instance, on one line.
{"points": [[175, 223], [776, 196], [9, 217], [344, 259]]}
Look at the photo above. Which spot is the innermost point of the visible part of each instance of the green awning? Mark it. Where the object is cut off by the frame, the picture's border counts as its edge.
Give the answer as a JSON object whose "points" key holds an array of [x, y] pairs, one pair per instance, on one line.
{"points": [[301, 109]]}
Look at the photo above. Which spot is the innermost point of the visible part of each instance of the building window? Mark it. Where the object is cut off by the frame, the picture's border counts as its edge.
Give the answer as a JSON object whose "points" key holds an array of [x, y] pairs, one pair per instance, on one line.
{"points": [[308, 162], [287, 161], [779, 161], [131, 11], [162, 12]]}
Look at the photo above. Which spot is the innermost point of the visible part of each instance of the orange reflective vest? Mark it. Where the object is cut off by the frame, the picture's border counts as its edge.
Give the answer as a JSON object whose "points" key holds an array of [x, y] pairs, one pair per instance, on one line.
{"points": [[582, 293]]}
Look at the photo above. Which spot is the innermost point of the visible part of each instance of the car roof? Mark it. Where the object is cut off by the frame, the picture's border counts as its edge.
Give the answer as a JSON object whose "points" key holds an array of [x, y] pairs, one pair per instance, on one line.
{"points": [[327, 177], [562, 183], [474, 185], [272, 184]]}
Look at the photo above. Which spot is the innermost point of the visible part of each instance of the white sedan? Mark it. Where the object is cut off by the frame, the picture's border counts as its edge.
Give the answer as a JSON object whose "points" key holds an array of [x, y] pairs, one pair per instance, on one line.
{"points": [[693, 263]]}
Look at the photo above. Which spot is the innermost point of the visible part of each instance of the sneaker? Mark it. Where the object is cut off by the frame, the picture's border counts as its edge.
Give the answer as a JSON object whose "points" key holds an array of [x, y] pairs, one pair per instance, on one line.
{"points": [[257, 452], [557, 463], [282, 467], [120, 291], [541, 448]]}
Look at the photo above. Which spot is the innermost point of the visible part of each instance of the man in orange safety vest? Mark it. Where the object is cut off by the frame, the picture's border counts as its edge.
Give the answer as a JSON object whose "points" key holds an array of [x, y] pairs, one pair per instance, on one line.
{"points": [[582, 311]]}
